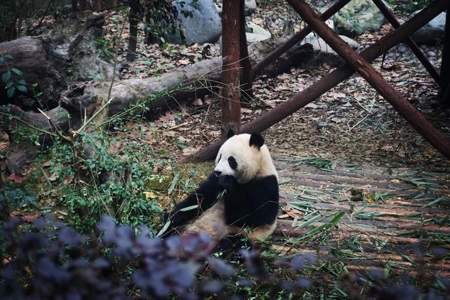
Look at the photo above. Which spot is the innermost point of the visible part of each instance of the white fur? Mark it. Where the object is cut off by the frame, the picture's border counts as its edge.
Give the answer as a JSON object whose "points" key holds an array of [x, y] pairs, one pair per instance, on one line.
{"points": [[252, 162]]}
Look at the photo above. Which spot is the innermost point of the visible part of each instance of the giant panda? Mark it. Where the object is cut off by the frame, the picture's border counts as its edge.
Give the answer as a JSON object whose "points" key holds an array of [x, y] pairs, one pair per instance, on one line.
{"points": [[240, 196]]}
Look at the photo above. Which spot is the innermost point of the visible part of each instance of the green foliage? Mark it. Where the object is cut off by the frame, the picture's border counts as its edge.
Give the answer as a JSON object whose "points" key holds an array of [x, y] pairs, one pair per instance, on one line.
{"points": [[12, 197], [12, 78], [159, 20], [104, 49], [93, 182]]}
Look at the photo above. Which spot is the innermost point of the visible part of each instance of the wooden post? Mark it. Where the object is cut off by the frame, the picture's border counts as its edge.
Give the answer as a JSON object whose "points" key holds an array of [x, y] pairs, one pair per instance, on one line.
{"points": [[296, 38], [246, 67], [445, 66], [231, 106], [440, 141], [329, 81], [389, 15]]}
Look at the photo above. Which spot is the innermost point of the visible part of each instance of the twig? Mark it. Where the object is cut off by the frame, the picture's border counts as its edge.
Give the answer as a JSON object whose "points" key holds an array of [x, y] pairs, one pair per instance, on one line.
{"points": [[55, 128], [116, 54], [359, 122], [178, 126]]}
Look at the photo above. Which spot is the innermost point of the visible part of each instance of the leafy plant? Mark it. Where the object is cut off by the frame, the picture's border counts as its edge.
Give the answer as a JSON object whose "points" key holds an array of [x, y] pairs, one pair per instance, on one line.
{"points": [[47, 259], [101, 182], [105, 49], [12, 78]]}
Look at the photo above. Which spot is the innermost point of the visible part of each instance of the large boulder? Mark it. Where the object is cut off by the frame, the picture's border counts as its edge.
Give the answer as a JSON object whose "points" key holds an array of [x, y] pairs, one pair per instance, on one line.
{"points": [[255, 33], [250, 7], [198, 21], [431, 32], [357, 17]]}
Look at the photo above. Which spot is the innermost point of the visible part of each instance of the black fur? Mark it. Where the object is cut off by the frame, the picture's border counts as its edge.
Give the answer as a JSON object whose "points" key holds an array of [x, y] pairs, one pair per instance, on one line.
{"points": [[256, 140], [253, 204], [230, 133], [205, 197]]}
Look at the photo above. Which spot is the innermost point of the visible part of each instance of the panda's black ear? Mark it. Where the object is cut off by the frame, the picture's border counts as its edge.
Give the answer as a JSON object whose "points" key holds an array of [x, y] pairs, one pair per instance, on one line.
{"points": [[256, 140], [230, 133]]}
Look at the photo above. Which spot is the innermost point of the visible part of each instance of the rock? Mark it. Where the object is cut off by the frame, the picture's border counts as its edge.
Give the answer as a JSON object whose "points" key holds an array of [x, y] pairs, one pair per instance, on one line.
{"points": [[321, 46], [81, 42], [256, 33], [357, 17], [198, 20], [250, 7], [19, 156], [31, 57], [431, 32]]}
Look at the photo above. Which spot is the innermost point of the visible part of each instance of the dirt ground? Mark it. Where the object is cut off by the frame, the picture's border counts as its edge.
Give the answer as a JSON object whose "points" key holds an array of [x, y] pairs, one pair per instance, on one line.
{"points": [[349, 123]]}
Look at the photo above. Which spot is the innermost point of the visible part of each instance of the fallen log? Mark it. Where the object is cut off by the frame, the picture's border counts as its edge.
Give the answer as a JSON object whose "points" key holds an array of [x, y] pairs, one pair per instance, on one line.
{"points": [[12, 117], [29, 55], [163, 92], [18, 123]]}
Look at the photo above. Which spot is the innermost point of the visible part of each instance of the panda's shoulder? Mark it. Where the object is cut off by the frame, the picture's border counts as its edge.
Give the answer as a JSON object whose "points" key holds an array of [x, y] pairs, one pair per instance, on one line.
{"points": [[263, 183]]}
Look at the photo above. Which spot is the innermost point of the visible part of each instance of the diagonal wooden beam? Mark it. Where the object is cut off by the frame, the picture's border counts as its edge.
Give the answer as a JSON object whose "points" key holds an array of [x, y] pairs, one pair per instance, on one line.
{"points": [[329, 81], [296, 38], [445, 65], [387, 12], [440, 141]]}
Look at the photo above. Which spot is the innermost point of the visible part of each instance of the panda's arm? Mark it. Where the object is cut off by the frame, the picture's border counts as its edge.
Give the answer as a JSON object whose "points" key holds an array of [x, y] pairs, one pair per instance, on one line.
{"points": [[254, 204], [203, 198]]}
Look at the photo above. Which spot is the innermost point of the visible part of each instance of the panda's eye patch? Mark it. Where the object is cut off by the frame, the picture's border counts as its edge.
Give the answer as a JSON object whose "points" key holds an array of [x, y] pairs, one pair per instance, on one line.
{"points": [[233, 163]]}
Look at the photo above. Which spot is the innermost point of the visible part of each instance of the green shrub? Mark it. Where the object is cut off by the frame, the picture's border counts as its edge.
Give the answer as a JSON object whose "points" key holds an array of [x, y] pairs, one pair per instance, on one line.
{"points": [[92, 181]]}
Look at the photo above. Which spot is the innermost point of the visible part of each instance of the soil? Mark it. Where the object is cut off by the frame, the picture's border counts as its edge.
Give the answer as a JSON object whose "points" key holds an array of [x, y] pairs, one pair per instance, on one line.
{"points": [[352, 122]]}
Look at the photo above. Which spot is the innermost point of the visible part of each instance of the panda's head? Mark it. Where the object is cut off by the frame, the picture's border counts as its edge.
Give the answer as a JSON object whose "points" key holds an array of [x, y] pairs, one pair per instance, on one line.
{"points": [[244, 157]]}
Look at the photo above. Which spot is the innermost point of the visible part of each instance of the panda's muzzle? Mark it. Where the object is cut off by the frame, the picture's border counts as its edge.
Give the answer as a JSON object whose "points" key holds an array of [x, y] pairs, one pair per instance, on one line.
{"points": [[217, 173], [227, 182]]}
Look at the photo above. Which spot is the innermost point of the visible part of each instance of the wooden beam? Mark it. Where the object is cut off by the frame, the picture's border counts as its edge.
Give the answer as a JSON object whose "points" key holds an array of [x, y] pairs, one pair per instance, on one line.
{"points": [[389, 15], [296, 38], [231, 106], [329, 81], [440, 141], [445, 66]]}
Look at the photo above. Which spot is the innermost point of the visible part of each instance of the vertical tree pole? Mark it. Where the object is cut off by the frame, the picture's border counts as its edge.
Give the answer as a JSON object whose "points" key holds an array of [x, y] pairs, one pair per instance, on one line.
{"points": [[134, 16], [231, 27], [246, 67], [445, 67]]}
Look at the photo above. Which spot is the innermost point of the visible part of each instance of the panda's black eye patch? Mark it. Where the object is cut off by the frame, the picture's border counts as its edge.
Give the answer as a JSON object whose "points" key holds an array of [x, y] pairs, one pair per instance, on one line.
{"points": [[233, 163]]}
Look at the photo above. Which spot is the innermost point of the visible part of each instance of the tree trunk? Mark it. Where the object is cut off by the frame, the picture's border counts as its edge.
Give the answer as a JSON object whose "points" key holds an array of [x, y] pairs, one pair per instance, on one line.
{"points": [[133, 17], [231, 93], [8, 20], [74, 5], [445, 66], [83, 4]]}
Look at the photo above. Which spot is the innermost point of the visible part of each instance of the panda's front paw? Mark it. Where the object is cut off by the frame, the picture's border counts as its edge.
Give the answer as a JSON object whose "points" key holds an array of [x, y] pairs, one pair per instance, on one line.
{"points": [[227, 182]]}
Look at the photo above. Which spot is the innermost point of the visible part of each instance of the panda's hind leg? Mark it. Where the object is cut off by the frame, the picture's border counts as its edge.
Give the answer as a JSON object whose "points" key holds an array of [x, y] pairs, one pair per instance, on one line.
{"points": [[212, 222], [261, 233]]}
